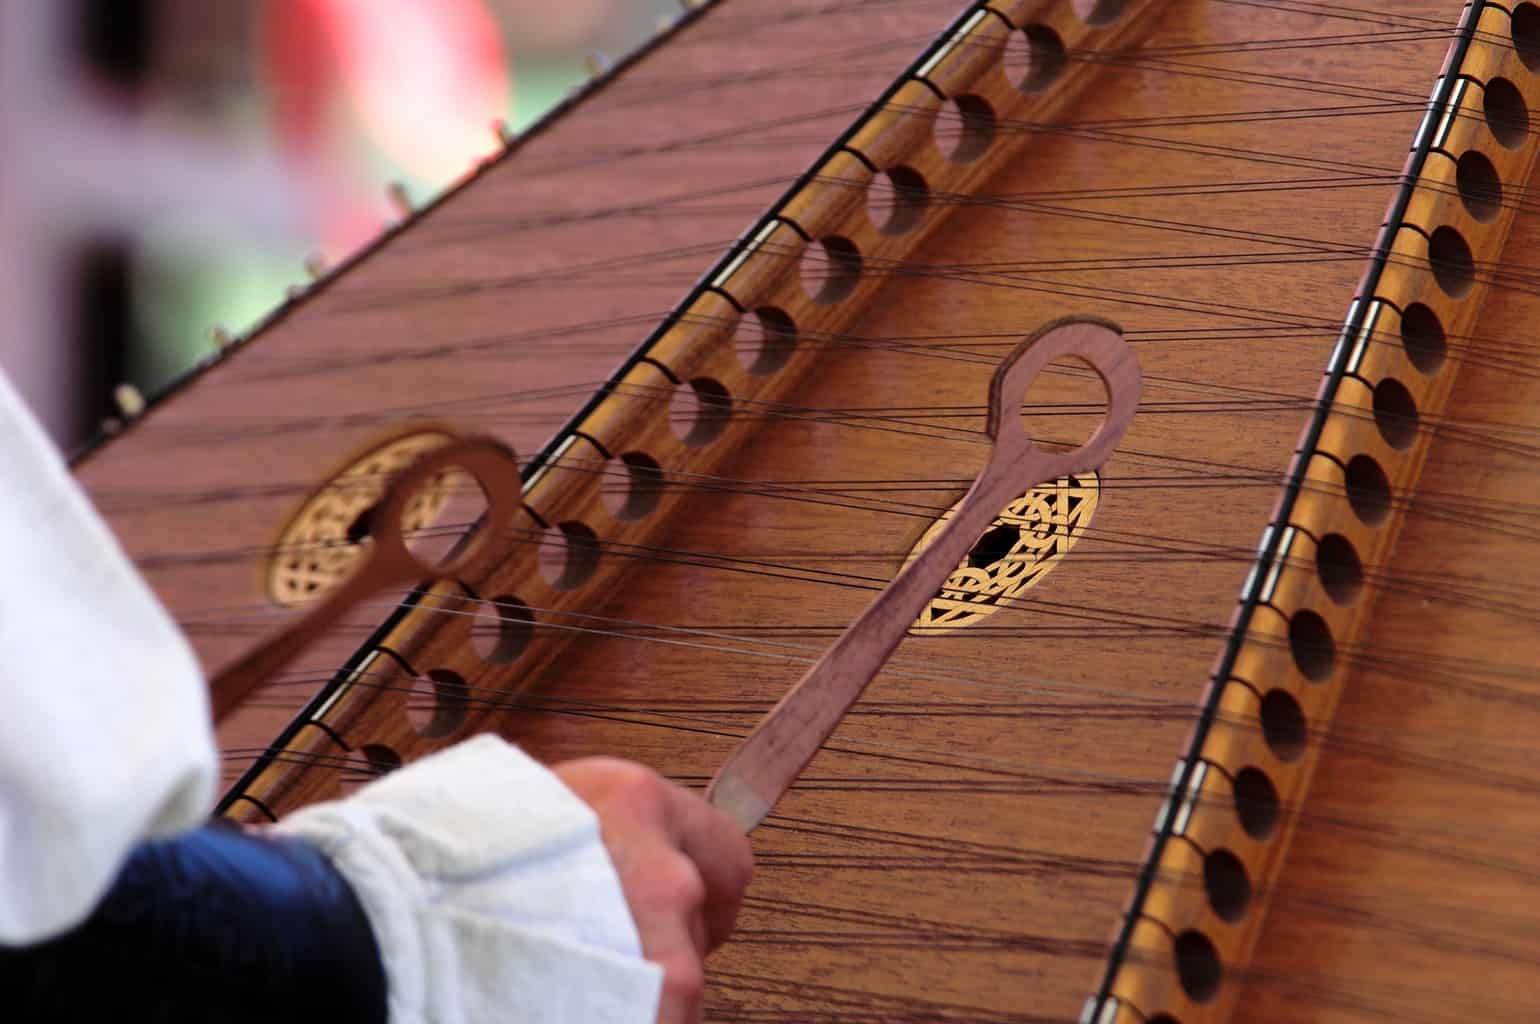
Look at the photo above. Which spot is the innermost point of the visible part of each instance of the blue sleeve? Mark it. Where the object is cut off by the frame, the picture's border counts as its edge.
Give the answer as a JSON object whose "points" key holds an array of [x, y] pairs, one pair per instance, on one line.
{"points": [[214, 925]]}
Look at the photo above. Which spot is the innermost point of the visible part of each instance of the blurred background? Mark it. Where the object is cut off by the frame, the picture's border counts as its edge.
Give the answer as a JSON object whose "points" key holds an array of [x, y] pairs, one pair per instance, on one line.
{"points": [[171, 166]]}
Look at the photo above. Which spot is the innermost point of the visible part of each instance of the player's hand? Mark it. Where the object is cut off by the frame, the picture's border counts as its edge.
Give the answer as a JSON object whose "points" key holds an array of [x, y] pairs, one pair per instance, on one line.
{"points": [[683, 867]]}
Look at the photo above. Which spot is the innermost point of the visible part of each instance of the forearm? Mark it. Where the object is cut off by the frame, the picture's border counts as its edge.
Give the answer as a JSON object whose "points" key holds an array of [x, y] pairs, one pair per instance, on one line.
{"points": [[217, 924], [105, 739]]}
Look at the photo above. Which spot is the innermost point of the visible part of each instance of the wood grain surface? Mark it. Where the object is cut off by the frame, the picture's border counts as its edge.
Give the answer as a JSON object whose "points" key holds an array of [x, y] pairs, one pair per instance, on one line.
{"points": [[965, 847]]}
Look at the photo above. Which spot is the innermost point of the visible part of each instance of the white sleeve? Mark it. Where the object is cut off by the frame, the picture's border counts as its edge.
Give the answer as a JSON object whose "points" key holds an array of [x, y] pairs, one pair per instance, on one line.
{"points": [[491, 895], [105, 736], [490, 892]]}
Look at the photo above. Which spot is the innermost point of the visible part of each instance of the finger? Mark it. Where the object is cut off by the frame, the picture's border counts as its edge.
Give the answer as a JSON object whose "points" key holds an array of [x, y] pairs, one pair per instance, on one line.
{"points": [[720, 852], [700, 933], [631, 798], [684, 985], [666, 894]]}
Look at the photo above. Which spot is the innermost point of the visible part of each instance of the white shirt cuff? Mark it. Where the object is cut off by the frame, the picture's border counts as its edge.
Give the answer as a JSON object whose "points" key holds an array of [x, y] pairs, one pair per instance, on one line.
{"points": [[105, 736], [490, 893]]}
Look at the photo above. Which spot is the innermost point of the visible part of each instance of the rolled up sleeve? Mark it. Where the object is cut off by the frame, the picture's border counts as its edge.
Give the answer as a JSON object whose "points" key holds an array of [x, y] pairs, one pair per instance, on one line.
{"points": [[105, 739]]}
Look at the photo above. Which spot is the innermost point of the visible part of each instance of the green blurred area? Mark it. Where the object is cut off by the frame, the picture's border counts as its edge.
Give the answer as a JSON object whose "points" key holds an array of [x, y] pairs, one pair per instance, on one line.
{"points": [[182, 294]]}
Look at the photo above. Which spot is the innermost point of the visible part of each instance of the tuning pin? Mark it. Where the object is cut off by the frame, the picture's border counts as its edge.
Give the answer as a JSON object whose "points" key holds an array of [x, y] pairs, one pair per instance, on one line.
{"points": [[663, 22], [222, 336], [315, 266], [597, 64], [129, 400], [294, 292], [399, 199], [504, 131], [691, 5]]}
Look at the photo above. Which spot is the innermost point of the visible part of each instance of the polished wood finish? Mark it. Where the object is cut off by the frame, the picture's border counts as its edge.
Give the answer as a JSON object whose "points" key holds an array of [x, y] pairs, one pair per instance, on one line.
{"points": [[964, 847], [763, 767], [1302, 644], [389, 561]]}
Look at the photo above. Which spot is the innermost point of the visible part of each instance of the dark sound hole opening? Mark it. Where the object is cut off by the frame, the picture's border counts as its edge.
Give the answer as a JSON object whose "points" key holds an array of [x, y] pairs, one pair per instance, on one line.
{"points": [[1197, 966], [1034, 57], [701, 411], [501, 630], [1481, 189], [1422, 336], [1283, 725], [897, 203], [382, 759], [570, 556], [1395, 413], [1340, 569], [358, 530], [1256, 802], [994, 546], [1526, 35], [1368, 490], [1506, 112], [644, 486], [1452, 262], [1227, 885], [965, 131], [438, 704], [765, 340], [1311, 643], [831, 269]]}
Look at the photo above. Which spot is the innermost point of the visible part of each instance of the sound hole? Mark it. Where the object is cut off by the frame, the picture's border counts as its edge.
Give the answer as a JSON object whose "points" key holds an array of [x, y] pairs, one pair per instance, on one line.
{"points": [[1283, 725], [1256, 802], [1526, 35], [1340, 569], [1395, 413], [1034, 57], [1227, 885], [700, 411], [381, 759], [1422, 336], [1368, 490], [437, 705], [1481, 188], [1310, 641], [1506, 112], [831, 269], [1197, 966], [569, 554], [765, 340], [965, 132], [326, 537], [501, 630], [643, 487], [994, 546], [896, 201], [1453, 264]]}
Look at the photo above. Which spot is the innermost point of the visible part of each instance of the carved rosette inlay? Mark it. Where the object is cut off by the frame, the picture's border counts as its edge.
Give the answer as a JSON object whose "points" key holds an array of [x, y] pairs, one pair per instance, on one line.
{"points": [[318, 546], [1020, 547]]}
